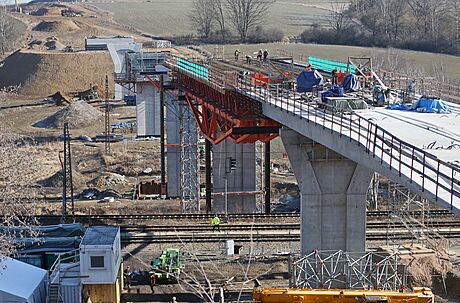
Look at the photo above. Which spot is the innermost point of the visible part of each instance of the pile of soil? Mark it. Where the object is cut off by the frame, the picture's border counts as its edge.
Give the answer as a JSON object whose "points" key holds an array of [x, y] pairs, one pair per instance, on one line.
{"points": [[56, 26], [42, 73], [55, 180], [77, 114], [40, 12]]}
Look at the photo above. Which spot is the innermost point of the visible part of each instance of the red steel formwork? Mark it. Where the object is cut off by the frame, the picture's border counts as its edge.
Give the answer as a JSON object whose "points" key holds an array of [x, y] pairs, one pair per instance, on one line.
{"points": [[223, 113]]}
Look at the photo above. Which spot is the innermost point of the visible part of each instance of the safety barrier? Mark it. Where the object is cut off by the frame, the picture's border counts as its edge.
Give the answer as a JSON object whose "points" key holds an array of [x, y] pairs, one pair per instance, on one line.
{"points": [[329, 65]]}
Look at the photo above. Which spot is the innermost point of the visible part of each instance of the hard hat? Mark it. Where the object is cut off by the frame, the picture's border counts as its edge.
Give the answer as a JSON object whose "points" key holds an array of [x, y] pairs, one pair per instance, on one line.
{"points": [[174, 298]]}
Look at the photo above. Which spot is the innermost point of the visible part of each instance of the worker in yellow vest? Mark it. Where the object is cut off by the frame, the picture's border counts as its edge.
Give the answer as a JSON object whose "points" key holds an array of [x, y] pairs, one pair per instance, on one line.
{"points": [[216, 223]]}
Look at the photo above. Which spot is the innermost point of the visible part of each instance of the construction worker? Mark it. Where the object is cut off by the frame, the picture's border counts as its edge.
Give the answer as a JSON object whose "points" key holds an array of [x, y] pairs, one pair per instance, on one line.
{"points": [[308, 68], [248, 59], [334, 77], [127, 277], [237, 54], [216, 223], [173, 300], [265, 54], [153, 282], [260, 55]]}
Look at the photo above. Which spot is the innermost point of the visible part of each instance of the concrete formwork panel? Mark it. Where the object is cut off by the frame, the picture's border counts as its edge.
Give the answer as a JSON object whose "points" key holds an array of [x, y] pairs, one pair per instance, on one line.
{"points": [[241, 179], [147, 110], [332, 195]]}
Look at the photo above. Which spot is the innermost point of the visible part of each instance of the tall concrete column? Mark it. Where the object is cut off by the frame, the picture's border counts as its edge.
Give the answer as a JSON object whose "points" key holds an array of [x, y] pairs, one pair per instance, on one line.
{"points": [[243, 178], [332, 195]]}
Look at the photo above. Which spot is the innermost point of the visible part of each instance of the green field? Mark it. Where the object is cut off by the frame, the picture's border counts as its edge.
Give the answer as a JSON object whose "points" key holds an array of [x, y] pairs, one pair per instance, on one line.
{"points": [[408, 60], [170, 18]]}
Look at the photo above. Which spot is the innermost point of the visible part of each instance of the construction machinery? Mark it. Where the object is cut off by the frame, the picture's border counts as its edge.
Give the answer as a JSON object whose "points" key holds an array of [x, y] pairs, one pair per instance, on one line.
{"points": [[167, 267], [294, 295]]}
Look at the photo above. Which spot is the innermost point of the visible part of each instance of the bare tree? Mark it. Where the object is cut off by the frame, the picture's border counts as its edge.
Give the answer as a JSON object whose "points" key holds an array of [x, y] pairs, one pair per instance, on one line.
{"points": [[245, 15], [338, 18], [202, 17], [6, 28], [220, 17]]}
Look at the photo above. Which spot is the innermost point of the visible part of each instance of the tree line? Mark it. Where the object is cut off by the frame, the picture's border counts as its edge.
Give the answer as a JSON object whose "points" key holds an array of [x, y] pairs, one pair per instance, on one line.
{"points": [[424, 25], [233, 20]]}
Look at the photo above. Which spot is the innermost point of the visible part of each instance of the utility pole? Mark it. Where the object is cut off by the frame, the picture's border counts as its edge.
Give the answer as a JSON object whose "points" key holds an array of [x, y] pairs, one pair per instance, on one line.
{"points": [[162, 139], [107, 117], [267, 177], [208, 175], [67, 182]]}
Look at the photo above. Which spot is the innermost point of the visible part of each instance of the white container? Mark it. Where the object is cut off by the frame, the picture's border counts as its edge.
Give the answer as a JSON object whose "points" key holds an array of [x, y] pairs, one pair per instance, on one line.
{"points": [[100, 255]]}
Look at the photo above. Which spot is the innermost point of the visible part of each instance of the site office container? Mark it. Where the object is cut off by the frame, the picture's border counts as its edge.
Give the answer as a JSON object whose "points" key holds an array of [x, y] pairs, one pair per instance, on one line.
{"points": [[100, 255]]}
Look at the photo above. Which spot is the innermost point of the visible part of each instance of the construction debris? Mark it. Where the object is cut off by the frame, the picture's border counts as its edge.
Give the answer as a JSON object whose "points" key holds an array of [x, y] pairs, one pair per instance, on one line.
{"points": [[59, 99]]}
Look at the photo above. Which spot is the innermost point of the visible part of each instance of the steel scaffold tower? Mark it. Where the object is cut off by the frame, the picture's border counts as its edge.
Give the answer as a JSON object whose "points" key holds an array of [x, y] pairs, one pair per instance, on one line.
{"points": [[190, 184]]}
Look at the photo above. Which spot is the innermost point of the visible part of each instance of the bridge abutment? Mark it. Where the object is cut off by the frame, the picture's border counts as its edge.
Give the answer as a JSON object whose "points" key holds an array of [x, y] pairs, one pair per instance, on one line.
{"points": [[332, 195]]}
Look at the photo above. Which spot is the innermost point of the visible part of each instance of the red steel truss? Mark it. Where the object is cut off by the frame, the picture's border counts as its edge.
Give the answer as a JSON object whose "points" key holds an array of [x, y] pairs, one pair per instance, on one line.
{"points": [[224, 113]]}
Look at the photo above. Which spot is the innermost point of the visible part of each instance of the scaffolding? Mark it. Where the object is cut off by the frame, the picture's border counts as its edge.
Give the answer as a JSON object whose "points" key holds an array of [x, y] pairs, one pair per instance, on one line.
{"points": [[189, 160], [339, 269]]}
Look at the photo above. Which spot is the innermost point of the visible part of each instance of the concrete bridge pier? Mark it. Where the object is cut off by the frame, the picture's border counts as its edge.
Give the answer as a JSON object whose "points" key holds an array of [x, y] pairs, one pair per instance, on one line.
{"points": [[332, 195], [242, 179]]}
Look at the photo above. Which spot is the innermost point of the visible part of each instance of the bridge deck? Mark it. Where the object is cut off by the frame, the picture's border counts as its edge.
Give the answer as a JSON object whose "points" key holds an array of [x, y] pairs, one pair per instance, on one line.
{"points": [[434, 133]]}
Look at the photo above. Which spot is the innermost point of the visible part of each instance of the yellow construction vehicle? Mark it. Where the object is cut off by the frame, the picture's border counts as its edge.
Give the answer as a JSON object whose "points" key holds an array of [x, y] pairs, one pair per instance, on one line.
{"points": [[293, 295]]}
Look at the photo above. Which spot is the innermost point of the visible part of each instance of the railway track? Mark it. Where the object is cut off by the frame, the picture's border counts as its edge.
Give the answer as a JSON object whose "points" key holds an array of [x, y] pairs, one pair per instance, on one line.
{"points": [[217, 237], [290, 232], [141, 218]]}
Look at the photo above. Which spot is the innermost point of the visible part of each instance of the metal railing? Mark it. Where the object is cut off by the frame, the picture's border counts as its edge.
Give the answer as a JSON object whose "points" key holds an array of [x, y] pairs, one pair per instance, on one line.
{"points": [[415, 163]]}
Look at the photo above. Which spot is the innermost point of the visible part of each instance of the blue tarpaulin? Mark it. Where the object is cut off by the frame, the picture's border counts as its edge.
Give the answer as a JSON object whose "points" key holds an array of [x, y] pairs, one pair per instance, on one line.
{"points": [[350, 83], [307, 80], [427, 105], [334, 91], [424, 105]]}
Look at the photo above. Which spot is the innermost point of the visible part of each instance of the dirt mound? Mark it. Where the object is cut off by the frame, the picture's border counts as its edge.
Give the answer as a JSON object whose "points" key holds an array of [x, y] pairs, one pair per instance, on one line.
{"points": [[40, 12], [55, 181], [77, 114], [42, 73], [56, 26]]}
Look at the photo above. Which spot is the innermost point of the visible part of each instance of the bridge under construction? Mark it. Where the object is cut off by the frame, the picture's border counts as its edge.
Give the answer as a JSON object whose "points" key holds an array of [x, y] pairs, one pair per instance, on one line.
{"points": [[335, 144]]}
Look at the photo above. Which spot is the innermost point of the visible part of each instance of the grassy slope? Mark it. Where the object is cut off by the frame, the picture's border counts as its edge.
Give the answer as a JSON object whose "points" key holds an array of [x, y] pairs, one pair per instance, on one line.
{"points": [[163, 18], [449, 64], [159, 17]]}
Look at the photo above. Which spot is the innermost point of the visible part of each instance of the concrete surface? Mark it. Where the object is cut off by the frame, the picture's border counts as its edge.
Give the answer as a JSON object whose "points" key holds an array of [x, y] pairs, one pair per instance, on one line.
{"points": [[332, 195], [241, 179]]}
